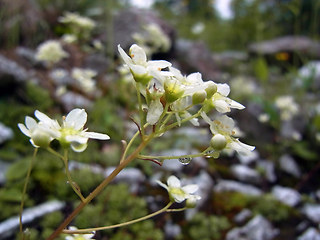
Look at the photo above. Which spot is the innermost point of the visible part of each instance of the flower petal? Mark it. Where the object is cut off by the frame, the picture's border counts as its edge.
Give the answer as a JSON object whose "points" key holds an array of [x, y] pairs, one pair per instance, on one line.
{"points": [[124, 56], [76, 118], [159, 64], [241, 148], [95, 135], [192, 188], [173, 182], [154, 112], [223, 89], [30, 123], [24, 130], [78, 147], [77, 139], [138, 55], [162, 184], [178, 197]]}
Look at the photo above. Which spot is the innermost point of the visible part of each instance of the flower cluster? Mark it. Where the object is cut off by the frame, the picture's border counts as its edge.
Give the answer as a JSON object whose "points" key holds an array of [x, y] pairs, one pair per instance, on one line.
{"points": [[178, 193], [84, 77], [70, 133], [80, 26], [50, 52], [167, 91], [153, 39], [287, 106]]}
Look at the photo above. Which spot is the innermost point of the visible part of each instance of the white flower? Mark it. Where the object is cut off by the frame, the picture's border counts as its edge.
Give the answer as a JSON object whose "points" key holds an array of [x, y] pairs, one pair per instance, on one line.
{"points": [[178, 193], [142, 70], [179, 107], [84, 77], [50, 52], [287, 106], [71, 133], [76, 20], [79, 236], [40, 134], [221, 102], [224, 126]]}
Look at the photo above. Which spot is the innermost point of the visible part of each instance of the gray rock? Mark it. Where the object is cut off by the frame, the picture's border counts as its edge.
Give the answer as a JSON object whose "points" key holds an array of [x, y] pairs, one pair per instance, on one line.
{"points": [[205, 183], [228, 185], [300, 44], [288, 164], [10, 226], [3, 169], [11, 69], [245, 174], [268, 168], [26, 54], [242, 216], [172, 230], [286, 195], [195, 56], [71, 100], [5, 133], [131, 21], [97, 62], [312, 211], [256, 229], [132, 176], [310, 234]]}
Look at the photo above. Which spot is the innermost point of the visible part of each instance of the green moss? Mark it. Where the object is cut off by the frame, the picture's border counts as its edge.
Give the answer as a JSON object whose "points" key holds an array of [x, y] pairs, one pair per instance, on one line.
{"points": [[205, 227], [116, 205]]}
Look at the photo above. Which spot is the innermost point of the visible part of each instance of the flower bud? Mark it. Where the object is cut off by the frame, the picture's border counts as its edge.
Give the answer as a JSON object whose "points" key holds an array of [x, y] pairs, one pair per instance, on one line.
{"points": [[211, 89], [141, 78], [199, 97], [40, 138], [208, 105], [218, 142], [192, 201], [172, 91]]}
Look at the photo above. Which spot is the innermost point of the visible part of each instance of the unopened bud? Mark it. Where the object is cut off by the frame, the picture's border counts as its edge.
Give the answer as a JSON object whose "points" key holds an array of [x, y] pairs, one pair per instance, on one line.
{"points": [[40, 138], [218, 142], [211, 89], [199, 97]]}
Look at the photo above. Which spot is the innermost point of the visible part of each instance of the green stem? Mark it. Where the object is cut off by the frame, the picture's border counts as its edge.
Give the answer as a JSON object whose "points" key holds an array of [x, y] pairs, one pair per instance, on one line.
{"points": [[102, 185], [172, 157], [25, 190], [165, 110], [140, 109], [88, 230], [71, 182], [177, 209], [176, 123]]}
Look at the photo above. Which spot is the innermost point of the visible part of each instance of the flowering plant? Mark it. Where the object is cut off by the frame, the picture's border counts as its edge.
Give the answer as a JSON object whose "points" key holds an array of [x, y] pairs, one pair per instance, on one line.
{"points": [[166, 100]]}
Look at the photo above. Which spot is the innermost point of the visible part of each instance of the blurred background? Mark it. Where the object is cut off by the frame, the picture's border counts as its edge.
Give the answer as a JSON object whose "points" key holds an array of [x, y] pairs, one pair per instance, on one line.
{"points": [[267, 51]]}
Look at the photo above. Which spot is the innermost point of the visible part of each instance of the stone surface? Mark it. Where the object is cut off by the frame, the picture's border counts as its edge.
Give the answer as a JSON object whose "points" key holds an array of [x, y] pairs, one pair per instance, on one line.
{"points": [[196, 57], [268, 169], [97, 62], [3, 169], [228, 185], [300, 44], [10, 226], [256, 229], [5, 133], [310, 234], [286, 195], [288, 164], [245, 173], [13, 70], [131, 21], [312, 211], [71, 100], [242, 216]]}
